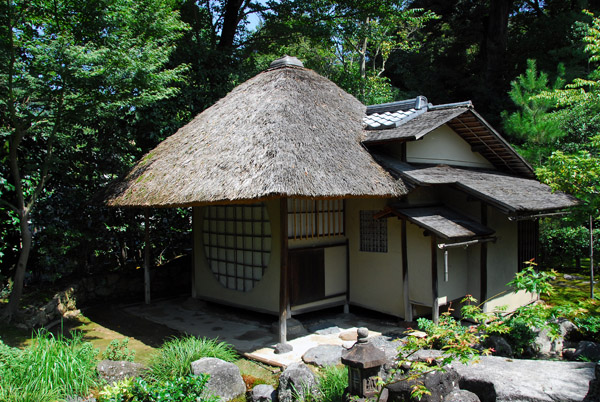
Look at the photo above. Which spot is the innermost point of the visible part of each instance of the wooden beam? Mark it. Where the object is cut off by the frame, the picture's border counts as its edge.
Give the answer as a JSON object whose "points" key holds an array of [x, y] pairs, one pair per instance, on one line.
{"points": [[408, 316], [483, 259], [284, 294], [347, 305], [434, 281], [146, 256]]}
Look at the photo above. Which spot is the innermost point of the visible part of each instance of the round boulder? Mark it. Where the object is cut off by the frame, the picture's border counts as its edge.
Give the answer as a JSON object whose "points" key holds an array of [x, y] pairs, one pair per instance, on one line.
{"points": [[296, 381], [225, 379], [324, 355]]}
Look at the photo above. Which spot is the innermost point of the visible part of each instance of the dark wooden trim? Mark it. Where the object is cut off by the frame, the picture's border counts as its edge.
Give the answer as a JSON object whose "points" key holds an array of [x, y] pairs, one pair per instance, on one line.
{"points": [[434, 278], [318, 246], [483, 258], [284, 294], [405, 284], [346, 307]]}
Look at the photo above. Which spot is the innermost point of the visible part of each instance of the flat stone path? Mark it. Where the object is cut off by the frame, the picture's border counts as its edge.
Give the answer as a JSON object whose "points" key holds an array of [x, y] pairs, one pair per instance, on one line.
{"points": [[251, 334], [503, 379]]}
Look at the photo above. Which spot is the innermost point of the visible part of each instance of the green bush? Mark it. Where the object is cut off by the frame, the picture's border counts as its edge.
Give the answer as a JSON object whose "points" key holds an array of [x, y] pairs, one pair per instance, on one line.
{"points": [[174, 357], [50, 369], [118, 350], [183, 389]]}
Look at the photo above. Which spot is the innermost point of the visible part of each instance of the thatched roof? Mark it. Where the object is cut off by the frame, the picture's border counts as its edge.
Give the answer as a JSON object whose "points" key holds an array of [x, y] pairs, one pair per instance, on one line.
{"points": [[412, 119], [511, 194], [286, 132]]}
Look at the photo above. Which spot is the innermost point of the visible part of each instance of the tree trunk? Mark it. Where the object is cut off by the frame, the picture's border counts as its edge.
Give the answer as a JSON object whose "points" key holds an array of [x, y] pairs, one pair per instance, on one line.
{"points": [[231, 19], [496, 41], [17, 290]]}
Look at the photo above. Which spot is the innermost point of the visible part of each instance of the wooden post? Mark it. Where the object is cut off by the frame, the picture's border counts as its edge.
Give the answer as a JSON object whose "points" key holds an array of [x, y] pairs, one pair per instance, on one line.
{"points": [[284, 296], [408, 316], [146, 256], [483, 260], [434, 280], [347, 305]]}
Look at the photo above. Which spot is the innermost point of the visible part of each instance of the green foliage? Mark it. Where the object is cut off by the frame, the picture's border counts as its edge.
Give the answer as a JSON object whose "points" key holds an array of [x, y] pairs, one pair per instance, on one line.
{"points": [[189, 388], [49, 369], [118, 350], [533, 281], [347, 41], [333, 381], [455, 340], [174, 357], [532, 123]]}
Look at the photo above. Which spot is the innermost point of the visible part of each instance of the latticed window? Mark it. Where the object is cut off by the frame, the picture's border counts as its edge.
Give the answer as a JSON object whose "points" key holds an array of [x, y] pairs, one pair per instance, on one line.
{"points": [[529, 234], [315, 218], [237, 243], [373, 233]]}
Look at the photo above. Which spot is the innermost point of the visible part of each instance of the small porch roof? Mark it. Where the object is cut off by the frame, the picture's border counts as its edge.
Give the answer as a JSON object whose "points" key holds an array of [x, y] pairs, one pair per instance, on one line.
{"points": [[513, 195], [442, 221]]}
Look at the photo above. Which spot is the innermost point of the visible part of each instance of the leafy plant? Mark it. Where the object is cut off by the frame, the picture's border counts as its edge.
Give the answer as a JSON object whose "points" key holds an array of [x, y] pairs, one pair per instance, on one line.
{"points": [[118, 350], [50, 369], [189, 388], [174, 357], [533, 281], [456, 341]]}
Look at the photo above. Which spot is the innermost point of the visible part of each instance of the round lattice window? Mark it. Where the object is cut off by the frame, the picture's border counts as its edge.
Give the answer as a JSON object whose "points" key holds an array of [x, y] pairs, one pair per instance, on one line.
{"points": [[237, 242]]}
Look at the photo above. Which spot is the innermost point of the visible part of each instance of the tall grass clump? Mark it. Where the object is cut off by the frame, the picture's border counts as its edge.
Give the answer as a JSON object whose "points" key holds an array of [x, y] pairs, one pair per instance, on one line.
{"points": [[174, 358], [50, 369], [333, 380]]}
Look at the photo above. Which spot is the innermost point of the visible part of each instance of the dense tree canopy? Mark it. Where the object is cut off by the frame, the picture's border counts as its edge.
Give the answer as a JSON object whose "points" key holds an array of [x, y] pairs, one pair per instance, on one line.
{"points": [[87, 87]]}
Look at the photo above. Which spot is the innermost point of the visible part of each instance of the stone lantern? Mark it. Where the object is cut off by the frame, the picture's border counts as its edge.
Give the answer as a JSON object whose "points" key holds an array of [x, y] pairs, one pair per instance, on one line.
{"points": [[364, 363]]}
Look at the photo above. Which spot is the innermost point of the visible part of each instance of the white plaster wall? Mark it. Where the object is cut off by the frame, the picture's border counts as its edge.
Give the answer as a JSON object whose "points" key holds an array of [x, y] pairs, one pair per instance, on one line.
{"points": [[502, 263], [419, 265], [444, 146], [458, 273], [265, 294], [375, 278]]}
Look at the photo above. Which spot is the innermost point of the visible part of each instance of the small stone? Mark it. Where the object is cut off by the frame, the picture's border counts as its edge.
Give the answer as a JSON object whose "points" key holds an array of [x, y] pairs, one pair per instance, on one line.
{"points": [[263, 393], [418, 334], [569, 353], [461, 395], [349, 335], [348, 344], [282, 348]]}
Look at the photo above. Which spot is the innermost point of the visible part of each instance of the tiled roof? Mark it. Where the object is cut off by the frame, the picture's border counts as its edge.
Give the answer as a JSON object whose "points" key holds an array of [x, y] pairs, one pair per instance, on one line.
{"points": [[377, 121], [419, 125]]}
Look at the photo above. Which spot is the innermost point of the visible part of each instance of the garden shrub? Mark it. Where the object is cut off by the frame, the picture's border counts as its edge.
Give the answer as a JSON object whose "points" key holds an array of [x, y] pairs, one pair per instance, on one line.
{"points": [[174, 358], [118, 350], [189, 388]]}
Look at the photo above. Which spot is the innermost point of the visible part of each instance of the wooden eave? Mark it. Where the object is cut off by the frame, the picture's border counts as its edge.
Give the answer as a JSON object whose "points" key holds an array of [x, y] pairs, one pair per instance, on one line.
{"points": [[489, 143]]}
